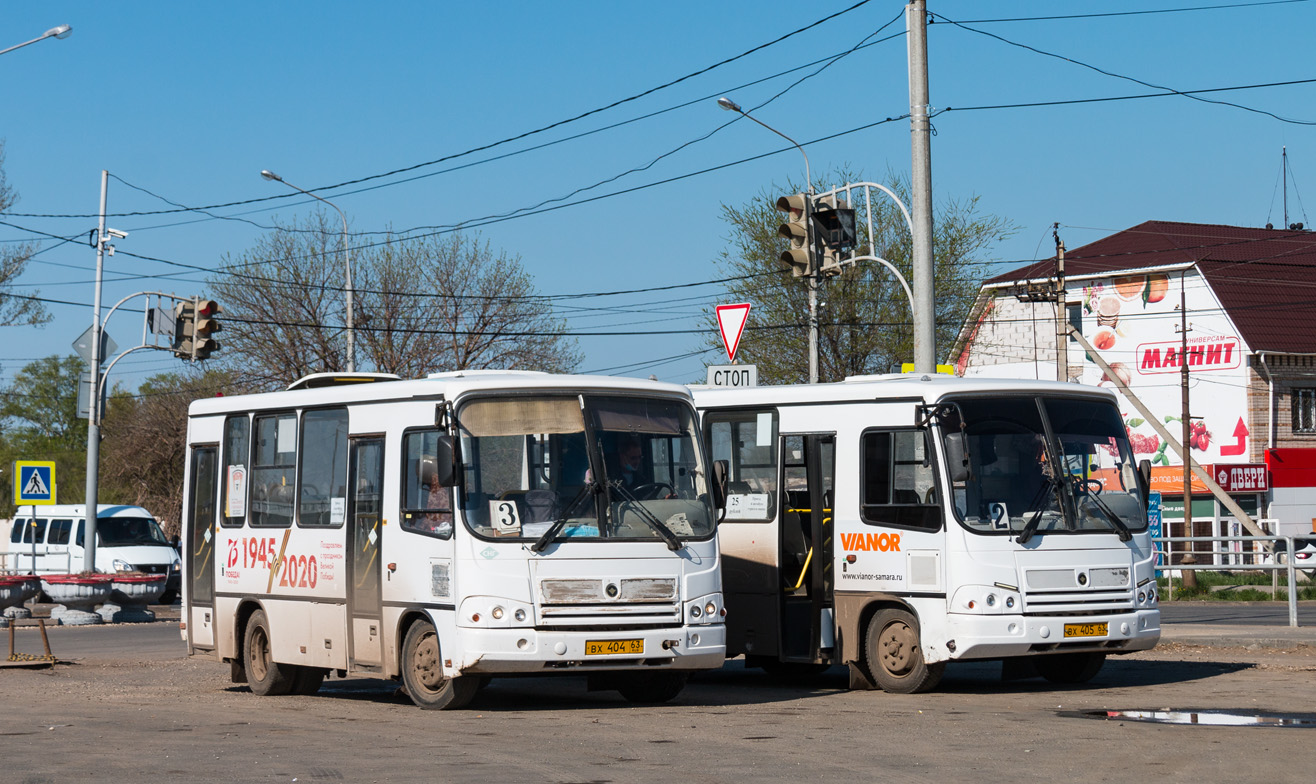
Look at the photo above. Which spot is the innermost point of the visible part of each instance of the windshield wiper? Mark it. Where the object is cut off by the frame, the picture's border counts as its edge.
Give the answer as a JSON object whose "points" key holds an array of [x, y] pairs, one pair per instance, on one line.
{"points": [[561, 521], [648, 519], [1115, 522], [1037, 509]]}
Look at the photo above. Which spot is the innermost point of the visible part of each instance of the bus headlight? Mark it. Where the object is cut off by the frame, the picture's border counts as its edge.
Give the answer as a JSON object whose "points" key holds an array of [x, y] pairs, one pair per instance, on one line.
{"points": [[121, 565], [493, 612], [705, 609]]}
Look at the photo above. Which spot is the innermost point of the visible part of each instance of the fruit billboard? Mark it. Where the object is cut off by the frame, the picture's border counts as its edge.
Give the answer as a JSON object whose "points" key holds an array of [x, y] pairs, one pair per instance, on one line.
{"points": [[1134, 321]]}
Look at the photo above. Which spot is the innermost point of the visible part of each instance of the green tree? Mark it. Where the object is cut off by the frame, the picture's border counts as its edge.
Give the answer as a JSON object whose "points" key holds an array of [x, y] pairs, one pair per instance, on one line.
{"points": [[39, 421], [865, 324]]}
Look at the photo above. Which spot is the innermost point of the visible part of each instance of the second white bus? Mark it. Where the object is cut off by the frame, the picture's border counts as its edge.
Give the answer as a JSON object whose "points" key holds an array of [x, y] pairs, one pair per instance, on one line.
{"points": [[897, 523]]}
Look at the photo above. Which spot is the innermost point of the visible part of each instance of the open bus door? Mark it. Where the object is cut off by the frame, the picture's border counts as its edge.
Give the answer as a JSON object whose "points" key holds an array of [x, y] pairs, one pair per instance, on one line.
{"points": [[807, 614]]}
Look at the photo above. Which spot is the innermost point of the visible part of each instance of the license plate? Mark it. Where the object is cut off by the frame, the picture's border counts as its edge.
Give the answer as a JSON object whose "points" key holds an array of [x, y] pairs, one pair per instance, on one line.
{"points": [[1087, 629], [613, 647]]}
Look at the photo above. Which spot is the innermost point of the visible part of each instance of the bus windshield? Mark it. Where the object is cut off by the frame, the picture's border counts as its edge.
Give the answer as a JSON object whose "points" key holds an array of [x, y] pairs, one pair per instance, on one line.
{"points": [[584, 466], [1045, 465]]}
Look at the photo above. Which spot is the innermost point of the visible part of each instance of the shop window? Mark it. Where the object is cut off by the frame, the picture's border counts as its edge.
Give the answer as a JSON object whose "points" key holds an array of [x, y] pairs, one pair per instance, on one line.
{"points": [[1304, 410]]}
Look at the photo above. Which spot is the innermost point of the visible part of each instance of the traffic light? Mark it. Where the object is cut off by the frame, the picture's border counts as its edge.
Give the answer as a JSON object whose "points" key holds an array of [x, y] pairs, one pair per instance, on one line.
{"points": [[799, 255], [207, 324], [184, 329], [834, 229]]}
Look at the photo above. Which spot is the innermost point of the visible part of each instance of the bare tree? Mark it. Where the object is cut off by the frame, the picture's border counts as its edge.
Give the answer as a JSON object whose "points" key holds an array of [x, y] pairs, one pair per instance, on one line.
{"points": [[13, 260], [422, 305]]}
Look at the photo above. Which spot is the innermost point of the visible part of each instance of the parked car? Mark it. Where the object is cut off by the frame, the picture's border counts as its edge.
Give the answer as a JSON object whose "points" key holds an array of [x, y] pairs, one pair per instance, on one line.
{"points": [[50, 540], [1304, 554]]}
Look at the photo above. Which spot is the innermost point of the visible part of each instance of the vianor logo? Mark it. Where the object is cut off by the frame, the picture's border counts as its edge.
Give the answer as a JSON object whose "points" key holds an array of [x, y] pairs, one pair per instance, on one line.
{"points": [[883, 543]]}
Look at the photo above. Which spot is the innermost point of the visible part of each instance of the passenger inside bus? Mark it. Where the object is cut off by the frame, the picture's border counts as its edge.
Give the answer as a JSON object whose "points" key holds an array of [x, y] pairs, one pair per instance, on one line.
{"points": [[436, 500]]}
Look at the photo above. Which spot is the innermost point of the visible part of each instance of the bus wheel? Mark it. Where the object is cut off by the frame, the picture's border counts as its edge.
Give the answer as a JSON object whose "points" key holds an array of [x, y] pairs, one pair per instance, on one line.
{"points": [[1070, 667], [422, 672], [894, 656], [652, 688], [264, 675], [307, 680]]}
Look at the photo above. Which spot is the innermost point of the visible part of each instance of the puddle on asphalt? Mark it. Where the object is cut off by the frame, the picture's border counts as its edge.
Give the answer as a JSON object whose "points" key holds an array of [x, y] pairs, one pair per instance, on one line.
{"points": [[1208, 718]]}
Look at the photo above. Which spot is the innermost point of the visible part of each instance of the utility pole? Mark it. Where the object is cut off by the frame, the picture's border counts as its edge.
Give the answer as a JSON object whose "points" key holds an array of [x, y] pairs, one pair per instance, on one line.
{"points": [[1062, 330], [1187, 432], [920, 131], [93, 409]]}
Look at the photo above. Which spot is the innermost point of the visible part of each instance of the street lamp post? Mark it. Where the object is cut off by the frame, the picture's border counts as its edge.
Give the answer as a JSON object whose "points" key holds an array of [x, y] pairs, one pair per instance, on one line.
{"points": [[347, 267], [732, 106], [61, 32]]}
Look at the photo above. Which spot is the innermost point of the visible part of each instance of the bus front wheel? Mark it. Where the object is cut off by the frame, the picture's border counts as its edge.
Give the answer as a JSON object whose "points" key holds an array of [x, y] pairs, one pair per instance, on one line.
{"points": [[422, 672], [1070, 668], [895, 657], [264, 675]]}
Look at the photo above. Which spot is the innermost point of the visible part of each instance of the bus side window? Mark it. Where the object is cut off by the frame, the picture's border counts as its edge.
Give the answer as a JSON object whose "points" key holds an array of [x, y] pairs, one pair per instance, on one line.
{"points": [[237, 440], [59, 531], [16, 534], [322, 496], [35, 529], [747, 440], [426, 506], [274, 470], [898, 487]]}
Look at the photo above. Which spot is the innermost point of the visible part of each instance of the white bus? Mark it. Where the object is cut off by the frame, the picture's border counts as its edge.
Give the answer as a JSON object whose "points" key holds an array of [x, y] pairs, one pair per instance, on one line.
{"points": [[444, 530], [897, 523]]}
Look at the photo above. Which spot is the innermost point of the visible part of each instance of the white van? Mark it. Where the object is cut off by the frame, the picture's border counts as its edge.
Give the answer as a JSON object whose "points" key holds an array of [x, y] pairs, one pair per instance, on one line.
{"points": [[49, 540]]}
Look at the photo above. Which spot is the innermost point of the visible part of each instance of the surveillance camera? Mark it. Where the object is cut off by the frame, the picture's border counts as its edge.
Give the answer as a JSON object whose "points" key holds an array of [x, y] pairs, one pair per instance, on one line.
{"points": [[116, 233]]}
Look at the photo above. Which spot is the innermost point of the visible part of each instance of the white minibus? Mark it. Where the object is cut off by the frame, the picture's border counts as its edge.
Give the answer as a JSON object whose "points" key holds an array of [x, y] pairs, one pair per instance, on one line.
{"points": [[445, 530], [897, 523], [50, 539]]}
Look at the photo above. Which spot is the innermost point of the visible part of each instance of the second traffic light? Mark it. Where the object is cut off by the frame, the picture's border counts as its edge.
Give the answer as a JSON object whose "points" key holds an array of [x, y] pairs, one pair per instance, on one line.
{"points": [[207, 323], [194, 323], [799, 254]]}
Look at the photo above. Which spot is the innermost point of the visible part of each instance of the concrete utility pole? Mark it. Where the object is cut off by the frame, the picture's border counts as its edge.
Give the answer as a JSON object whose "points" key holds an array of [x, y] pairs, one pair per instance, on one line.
{"points": [[1187, 431], [1062, 327], [94, 405], [920, 132]]}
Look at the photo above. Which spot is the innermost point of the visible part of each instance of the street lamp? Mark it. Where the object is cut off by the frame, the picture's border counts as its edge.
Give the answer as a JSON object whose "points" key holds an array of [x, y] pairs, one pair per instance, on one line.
{"points": [[61, 32], [732, 106], [347, 266]]}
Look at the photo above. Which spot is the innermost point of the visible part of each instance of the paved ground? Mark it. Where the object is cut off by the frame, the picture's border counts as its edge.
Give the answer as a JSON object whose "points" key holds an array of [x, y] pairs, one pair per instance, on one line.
{"points": [[129, 707]]}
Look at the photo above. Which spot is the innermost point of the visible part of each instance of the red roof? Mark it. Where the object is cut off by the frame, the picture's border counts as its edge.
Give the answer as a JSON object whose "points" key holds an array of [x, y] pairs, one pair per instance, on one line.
{"points": [[1264, 278]]}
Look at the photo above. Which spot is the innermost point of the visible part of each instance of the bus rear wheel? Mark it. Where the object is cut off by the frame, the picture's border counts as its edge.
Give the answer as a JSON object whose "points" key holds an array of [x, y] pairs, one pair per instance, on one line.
{"points": [[895, 657], [307, 680], [265, 676], [1070, 668], [422, 672]]}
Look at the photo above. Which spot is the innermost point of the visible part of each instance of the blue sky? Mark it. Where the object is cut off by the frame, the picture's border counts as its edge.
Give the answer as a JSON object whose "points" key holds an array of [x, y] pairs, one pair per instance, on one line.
{"points": [[190, 101]]}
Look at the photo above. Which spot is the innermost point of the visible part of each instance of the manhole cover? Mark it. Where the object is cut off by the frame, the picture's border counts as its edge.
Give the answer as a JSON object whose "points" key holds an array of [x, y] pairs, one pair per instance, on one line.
{"points": [[1213, 718]]}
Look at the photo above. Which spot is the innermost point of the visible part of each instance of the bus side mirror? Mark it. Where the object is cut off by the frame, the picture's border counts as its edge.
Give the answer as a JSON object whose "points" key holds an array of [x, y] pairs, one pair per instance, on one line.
{"points": [[446, 461], [957, 462], [1144, 472], [720, 470]]}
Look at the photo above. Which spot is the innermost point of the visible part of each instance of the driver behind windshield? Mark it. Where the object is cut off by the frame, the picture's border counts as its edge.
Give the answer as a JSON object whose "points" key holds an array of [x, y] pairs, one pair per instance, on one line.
{"points": [[630, 463]]}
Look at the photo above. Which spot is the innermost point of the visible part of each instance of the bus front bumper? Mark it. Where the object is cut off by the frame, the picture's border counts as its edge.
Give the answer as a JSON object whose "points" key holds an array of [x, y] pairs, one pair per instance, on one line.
{"points": [[527, 650], [1000, 636]]}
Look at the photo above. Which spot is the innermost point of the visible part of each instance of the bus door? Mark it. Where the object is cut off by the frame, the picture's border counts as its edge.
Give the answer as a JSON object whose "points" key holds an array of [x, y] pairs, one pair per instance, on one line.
{"points": [[808, 468], [200, 561], [366, 469]]}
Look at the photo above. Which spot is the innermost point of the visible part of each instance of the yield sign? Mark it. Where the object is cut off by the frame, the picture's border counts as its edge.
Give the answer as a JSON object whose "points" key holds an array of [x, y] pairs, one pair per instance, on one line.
{"points": [[731, 321]]}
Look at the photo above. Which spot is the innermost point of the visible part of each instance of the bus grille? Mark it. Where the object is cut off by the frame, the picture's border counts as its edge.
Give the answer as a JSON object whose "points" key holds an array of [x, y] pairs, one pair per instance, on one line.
{"points": [[1069, 591], [624, 602]]}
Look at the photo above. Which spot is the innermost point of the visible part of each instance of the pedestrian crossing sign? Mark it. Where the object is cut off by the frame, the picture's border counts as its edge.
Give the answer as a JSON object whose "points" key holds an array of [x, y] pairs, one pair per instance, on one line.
{"points": [[34, 482]]}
